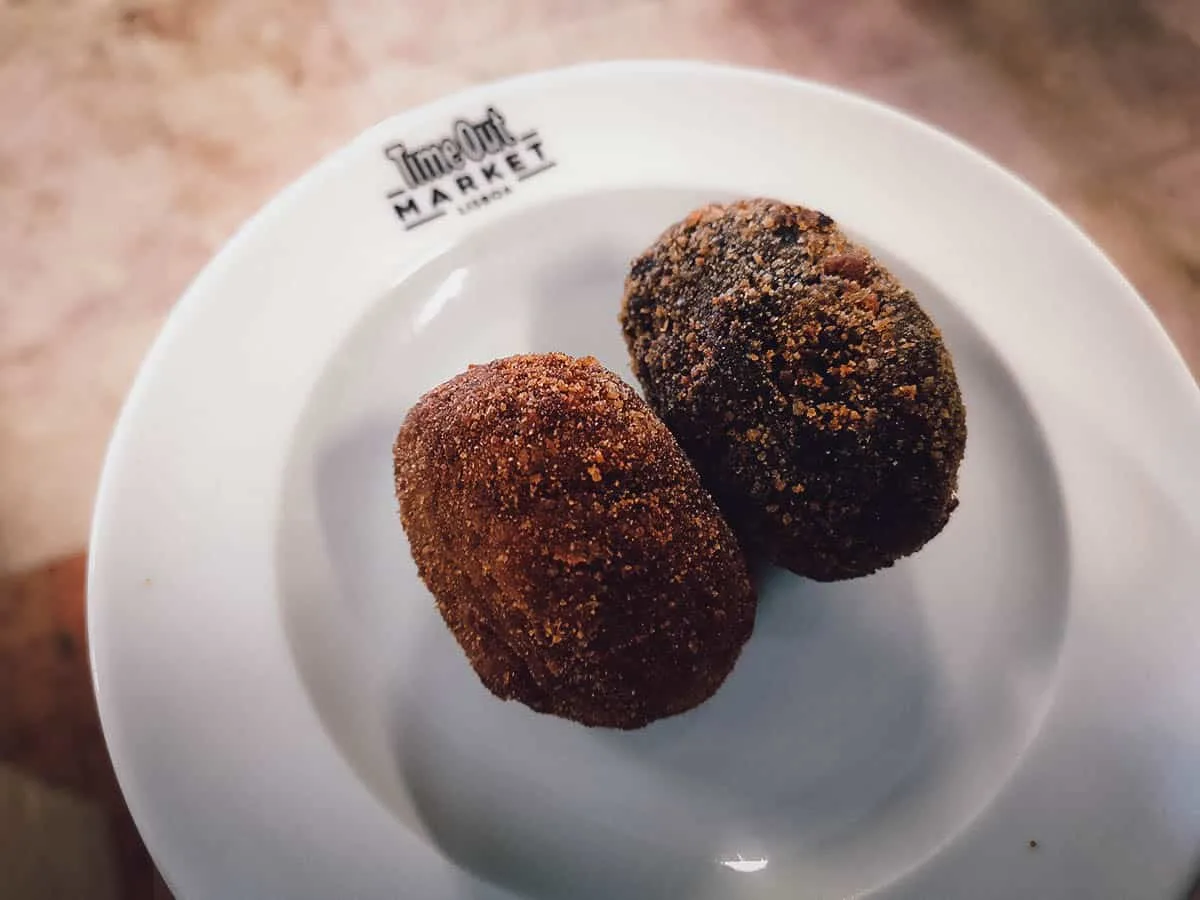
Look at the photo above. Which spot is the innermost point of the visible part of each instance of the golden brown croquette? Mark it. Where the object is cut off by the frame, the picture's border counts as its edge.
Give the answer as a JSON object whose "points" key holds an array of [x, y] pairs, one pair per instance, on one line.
{"points": [[569, 544]]}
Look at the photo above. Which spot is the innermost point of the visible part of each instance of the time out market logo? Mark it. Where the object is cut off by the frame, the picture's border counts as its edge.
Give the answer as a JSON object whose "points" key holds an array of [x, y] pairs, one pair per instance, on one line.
{"points": [[477, 163]]}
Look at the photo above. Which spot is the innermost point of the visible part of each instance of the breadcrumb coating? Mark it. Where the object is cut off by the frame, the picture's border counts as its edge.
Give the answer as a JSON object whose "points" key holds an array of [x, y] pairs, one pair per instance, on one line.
{"points": [[569, 543], [813, 394]]}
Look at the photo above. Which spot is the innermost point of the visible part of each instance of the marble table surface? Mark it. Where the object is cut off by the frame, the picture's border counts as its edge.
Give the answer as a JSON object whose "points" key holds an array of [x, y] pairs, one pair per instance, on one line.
{"points": [[138, 135]]}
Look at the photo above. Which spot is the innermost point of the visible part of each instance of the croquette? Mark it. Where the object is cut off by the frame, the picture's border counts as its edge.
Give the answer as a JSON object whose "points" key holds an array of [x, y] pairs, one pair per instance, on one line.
{"points": [[814, 395], [569, 544]]}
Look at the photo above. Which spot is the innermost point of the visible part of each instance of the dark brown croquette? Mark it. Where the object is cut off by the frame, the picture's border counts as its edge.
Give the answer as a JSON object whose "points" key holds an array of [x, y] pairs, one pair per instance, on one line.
{"points": [[809, 388]]}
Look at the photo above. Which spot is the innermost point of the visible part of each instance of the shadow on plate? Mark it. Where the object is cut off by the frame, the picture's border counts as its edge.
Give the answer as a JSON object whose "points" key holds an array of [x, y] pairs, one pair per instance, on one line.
{"points": [[830, 714]]}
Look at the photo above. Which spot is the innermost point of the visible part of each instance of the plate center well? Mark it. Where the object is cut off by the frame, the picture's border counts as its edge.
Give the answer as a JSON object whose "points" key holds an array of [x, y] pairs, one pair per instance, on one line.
{"points": [[866, 723]]}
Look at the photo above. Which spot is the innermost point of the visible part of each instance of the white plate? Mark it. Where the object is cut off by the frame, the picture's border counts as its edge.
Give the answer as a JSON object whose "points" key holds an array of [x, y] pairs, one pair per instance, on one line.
{"points": [[290, 719]]}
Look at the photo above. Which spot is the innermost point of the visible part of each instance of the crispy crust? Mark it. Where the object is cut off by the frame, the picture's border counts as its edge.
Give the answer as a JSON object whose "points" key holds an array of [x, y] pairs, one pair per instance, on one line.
{"points": [[569, 543], [807, 385]]}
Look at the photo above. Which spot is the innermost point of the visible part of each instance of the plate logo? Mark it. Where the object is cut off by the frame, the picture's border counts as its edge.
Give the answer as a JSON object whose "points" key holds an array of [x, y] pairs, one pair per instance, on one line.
{"points": [[477, 163]]}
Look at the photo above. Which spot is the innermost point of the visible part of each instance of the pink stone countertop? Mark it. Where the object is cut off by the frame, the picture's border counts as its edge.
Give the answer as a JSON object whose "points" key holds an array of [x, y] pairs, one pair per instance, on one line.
{"points": [[138, 135]]}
